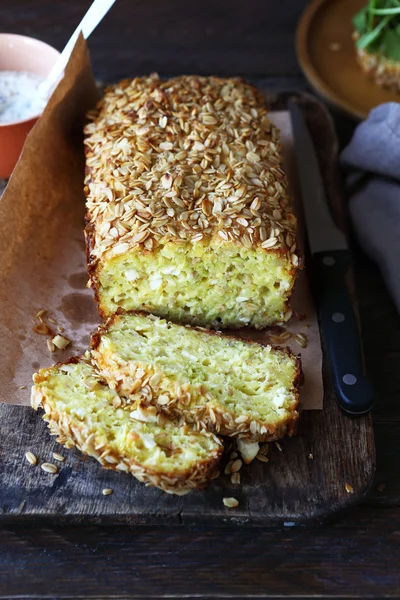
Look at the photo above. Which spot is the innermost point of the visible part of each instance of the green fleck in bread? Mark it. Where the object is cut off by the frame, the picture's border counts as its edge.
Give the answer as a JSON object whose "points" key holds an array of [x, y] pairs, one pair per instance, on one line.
{"points": [[84, 412], [188, 215], [229, 386]]}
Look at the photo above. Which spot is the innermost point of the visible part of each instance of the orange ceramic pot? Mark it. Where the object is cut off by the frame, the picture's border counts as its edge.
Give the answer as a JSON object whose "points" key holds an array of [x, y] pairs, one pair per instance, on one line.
{"points": [[20, 53]]}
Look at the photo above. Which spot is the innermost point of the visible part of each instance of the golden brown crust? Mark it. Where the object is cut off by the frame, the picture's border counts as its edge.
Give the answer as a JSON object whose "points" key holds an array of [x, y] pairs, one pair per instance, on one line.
{"points": [[216, 419], [73, 433], [145, 168]]}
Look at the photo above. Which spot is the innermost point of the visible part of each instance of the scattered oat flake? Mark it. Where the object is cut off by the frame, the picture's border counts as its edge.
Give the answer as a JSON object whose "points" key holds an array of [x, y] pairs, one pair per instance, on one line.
{"points": [[235, 478], [236, 466], [60, 329], [42, 329], [58, 457], [230, 502], [277, 444], [107, 492], [228, 468], [60, 342], [22, 387], [51, 320], [49, 468], [262, 458], [41, 313], [31, 458], [301, 339], [284, 336], [349, 488]]}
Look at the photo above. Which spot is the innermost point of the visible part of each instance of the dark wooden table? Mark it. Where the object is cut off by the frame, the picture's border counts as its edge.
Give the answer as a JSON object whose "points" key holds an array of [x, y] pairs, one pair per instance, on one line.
{"points": [[356, 556]]}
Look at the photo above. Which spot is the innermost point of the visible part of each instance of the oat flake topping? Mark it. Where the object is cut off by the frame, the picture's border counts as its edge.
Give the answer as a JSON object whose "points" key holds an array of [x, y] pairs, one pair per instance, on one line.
{"points": [[182, 160]]}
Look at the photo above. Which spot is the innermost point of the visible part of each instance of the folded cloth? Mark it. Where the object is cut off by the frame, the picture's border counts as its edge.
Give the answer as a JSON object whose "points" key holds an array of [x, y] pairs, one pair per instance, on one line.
{"points": [[372, 161]]}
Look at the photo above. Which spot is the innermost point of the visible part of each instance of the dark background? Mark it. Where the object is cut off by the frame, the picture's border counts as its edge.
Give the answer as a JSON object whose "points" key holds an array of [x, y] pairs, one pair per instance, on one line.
{"points": [[356, 556]]}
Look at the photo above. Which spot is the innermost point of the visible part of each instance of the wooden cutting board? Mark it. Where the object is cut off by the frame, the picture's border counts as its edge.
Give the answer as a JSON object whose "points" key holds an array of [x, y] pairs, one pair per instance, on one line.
{"points": [[326, 467]]}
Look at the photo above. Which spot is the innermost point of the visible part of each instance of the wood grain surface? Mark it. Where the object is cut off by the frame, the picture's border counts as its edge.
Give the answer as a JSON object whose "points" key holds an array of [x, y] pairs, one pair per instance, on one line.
{"points": [[358, 556], [240, 562]]}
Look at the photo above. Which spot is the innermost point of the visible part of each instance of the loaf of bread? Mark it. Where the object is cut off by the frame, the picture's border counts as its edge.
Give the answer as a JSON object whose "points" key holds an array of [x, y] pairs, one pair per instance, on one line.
{"points": [[84, 412], [188, 214], [217, 382]]}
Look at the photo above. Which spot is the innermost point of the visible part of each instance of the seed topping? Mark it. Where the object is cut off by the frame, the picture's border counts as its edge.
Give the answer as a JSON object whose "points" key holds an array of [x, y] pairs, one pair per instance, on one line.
{"points": [[188, 159]]}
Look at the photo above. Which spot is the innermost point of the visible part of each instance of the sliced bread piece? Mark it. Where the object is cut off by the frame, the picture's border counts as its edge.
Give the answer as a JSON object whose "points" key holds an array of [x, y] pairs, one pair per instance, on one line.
{"points": [[84, 412], [219, 382]]}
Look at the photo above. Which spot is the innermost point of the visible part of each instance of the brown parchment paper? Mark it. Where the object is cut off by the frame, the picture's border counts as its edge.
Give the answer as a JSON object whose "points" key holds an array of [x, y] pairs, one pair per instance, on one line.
{"points": [[42, 252]]}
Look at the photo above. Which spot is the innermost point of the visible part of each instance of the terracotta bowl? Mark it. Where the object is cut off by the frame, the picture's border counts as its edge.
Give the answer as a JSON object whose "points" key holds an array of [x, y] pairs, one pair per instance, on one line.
{"points": [[20, 53]]}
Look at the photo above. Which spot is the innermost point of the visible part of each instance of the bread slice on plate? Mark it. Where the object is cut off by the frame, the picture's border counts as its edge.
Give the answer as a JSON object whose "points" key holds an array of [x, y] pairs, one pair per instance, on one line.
{"points": [[381, 70], [221, 383], [188, 212], [84, 412]]}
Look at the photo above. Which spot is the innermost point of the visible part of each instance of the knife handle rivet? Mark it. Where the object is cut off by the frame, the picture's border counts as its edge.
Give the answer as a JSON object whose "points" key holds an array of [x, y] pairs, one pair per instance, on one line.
{"points": [[338, 317], [328, 261], [349, 379]]}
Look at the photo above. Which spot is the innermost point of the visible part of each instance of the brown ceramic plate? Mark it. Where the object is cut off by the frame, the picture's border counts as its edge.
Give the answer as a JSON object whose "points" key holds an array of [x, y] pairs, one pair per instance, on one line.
{"points": [[327, 56]]}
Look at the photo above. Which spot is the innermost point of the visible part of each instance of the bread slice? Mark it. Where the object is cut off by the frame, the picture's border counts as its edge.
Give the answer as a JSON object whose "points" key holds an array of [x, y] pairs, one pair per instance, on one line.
{"points": [[224, 384], [188, 213], [383, 71], [84, 412]]}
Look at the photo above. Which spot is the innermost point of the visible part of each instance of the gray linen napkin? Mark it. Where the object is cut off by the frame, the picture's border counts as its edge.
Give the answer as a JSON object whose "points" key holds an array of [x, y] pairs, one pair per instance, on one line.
{"points": [[372, 160]]}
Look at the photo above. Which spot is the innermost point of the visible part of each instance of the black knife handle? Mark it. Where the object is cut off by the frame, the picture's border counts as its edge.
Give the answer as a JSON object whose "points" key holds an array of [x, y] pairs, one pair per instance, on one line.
{"points": [[341, 333]]}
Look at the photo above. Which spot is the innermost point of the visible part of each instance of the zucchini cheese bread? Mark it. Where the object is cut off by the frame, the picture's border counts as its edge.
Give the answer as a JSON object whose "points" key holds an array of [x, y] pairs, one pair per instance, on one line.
{"points": [[84, 412], [187, 210], [218, 382]]}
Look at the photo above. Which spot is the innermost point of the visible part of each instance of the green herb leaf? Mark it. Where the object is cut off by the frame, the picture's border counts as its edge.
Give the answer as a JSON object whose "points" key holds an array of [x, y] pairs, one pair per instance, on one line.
{"points": [[360, 20], [386, 11], [367, 38], [391, 44], [378, 26], [371, 5]]}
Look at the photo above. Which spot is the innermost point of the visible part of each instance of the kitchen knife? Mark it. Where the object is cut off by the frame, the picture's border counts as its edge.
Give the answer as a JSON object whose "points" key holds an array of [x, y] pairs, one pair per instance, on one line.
{"points": [[330, 264]]}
